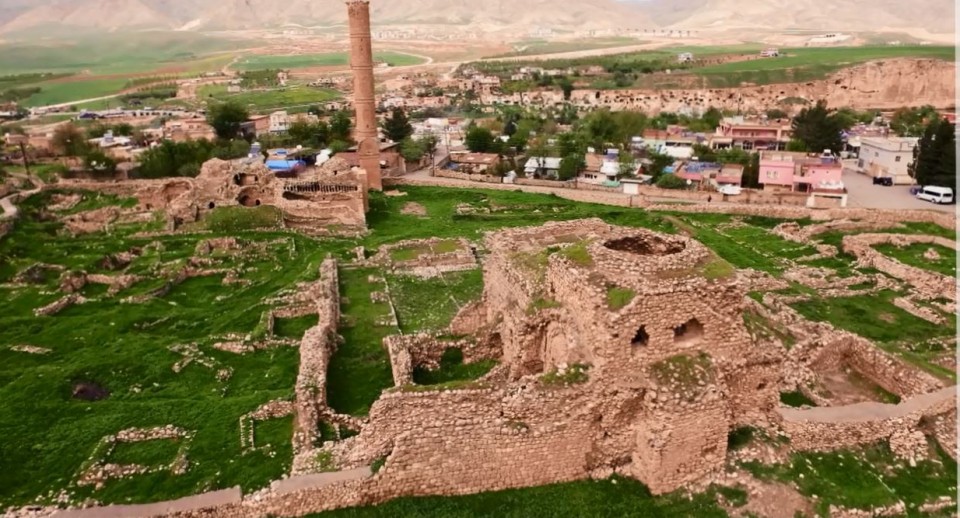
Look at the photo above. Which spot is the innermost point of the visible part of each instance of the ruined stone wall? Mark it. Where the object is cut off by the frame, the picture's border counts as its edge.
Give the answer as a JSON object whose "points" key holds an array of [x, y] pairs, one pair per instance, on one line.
{"points": [[466, 441], [683, 446], [832, 428], [927, 283], [316, 348], [408, 352], [841, 349]]}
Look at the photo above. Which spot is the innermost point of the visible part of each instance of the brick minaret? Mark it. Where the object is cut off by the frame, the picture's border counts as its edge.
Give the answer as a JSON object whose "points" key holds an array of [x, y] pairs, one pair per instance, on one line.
{"points": [[361, 62]]}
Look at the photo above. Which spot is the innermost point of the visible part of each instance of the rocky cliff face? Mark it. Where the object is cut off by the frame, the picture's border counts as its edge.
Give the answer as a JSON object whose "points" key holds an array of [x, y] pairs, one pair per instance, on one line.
{"points": [[885, 84]]}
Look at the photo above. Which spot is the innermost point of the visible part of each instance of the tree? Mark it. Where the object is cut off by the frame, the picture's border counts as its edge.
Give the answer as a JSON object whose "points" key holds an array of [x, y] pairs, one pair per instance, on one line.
{"points": [[751, 172], [95, 160], [796, 145], [777, 113], [570, 143], [571, 165], [712, 117], [69, 141], [340, 126], [479, 140], [429, 141], [412, 150], [628, 166], [911, 122], [305, 133], [659, 162], [397, 126], [671, 181], [567, 87], [935, 157], [227, 119], [818, 129]]}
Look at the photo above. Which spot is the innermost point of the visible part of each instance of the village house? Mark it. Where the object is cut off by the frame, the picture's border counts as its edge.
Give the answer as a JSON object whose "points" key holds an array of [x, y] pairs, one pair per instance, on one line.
{"points": [[542, 166], [755, 135], [391, 162], [474, 163], [887, 157], [279, 122], [674, 142], [604, 169], [788, 171], [181, 130]]}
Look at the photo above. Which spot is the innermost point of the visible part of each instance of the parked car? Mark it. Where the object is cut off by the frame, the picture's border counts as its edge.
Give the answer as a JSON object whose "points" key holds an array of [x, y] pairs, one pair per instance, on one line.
{"points": [[883, 180], [935, 194]]}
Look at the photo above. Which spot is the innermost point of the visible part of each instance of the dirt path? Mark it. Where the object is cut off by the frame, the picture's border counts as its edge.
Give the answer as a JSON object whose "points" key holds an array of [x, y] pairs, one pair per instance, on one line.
{"points": [[866, 412], [10, 211]]}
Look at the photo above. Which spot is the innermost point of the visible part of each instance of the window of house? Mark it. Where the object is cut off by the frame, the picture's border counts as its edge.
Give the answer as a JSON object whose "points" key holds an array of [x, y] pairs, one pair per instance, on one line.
{"points": [[897, 159], [771, 175]]}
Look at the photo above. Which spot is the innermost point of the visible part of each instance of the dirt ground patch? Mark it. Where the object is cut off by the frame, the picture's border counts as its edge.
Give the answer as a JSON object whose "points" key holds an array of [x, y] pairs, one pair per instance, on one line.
{"points": [[775, 501], [413, 209]]}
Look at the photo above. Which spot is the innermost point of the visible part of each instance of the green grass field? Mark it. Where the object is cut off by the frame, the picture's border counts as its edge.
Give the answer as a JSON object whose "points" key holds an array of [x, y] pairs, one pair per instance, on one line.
{"points": [[913, 255], [65, 92], [269, 100], [260, 62], [804, 64], [125, 348]]}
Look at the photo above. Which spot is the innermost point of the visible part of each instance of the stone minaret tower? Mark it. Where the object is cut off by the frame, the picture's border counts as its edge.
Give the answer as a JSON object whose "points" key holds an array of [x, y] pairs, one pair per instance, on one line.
{"points": [[361, 62]]}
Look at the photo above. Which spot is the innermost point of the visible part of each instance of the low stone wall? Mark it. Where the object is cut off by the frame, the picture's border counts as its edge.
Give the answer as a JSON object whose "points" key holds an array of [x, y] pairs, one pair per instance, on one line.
{"points": [[59, 305], [557, 184], [480, 178], [832, 428], [926, 283], [316, 348]]}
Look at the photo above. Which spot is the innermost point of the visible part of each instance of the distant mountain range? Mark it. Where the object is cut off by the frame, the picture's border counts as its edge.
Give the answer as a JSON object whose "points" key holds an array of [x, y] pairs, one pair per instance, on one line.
{"points": [[52, 16]]}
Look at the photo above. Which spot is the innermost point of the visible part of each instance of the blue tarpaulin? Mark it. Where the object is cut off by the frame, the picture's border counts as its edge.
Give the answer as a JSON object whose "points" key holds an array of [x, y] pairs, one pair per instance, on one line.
{"points": [[284, 165]]}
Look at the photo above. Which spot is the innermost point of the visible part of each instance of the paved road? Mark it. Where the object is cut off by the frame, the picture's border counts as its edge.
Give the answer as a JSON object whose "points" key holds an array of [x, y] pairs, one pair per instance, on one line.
{"points": [[862, 193]]}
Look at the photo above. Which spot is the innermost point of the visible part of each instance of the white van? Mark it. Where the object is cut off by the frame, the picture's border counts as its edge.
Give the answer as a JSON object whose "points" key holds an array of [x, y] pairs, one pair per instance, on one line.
{"points": [[936, 194]]}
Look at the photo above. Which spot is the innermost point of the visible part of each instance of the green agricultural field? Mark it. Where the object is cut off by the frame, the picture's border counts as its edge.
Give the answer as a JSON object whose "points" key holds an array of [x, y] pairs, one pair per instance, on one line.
{"points": [[268, 100], [69, 91], [260, 62], [805, 64], [116, 53]]}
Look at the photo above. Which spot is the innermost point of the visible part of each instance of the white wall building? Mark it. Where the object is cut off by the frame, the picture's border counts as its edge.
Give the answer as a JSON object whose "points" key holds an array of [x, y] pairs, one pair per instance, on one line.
{"points": [[887, 157], [279, 122]]}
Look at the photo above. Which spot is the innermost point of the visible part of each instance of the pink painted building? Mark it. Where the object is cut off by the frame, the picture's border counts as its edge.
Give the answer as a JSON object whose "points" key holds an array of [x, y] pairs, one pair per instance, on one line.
{"points": [[755, 135], [787, 171]]}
